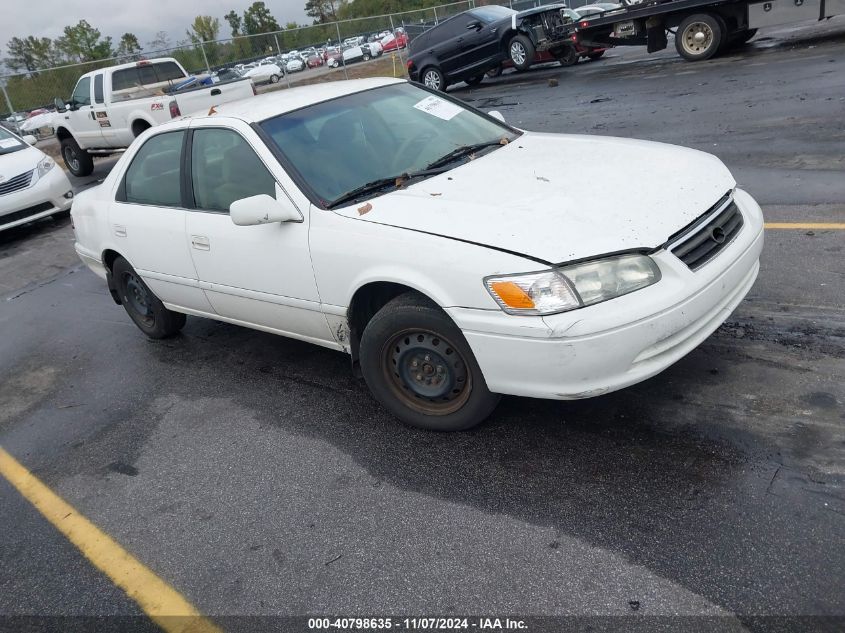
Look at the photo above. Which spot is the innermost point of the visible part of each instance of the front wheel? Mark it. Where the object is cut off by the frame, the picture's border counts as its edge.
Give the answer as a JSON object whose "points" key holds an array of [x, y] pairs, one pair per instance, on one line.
{"points": [[366, 58], [274, 79], [142, 306], [418, 364], [521, 52], [699, 36], [77, 160]]}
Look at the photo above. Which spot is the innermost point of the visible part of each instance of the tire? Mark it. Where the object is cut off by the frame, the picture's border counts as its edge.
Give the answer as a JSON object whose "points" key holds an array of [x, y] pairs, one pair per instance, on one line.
{"points": [[474, 81], [411, 334], [699, 36], [495, 72], [274, 79], [521, 52], [568, 56], [740, 38], [432, 78], [142, 306], [594, 56], [366, 58], [77, 160]]}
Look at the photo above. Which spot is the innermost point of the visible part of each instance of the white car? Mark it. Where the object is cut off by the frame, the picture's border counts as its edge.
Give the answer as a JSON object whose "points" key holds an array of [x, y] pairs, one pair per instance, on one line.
{"points": [[295, 64], [356, 53], [265, 73], [403, 246], [31, 185]]}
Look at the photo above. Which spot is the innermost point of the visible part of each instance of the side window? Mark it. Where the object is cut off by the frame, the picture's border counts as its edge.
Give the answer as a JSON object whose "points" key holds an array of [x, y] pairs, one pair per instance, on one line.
{"points": [[154, 176], [82, 92], [168, 71], [98, 88], [224, 168]]}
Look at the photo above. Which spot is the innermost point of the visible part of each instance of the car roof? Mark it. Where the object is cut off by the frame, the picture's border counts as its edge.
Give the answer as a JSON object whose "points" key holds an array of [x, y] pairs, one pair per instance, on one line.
{"points": [[265, 106]]}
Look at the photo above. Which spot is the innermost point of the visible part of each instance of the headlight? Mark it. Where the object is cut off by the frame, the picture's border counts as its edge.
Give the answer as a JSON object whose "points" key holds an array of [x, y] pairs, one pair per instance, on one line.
{"points": [[44, 166], [571, 287]]}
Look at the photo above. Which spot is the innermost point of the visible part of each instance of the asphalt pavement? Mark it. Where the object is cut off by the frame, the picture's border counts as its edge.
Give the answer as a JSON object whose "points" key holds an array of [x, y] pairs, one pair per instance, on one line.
{"points": [[259, 478]]}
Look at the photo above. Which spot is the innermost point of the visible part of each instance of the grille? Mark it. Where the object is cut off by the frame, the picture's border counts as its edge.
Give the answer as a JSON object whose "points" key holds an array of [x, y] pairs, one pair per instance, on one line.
{"points": [[24, 213], [706, 237], [17, 183]]}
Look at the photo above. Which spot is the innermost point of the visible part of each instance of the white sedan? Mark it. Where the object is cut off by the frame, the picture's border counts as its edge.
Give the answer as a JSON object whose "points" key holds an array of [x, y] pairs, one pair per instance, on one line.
{"points": [[31, 186], [295, 64], [264, 73], [370, 217]]}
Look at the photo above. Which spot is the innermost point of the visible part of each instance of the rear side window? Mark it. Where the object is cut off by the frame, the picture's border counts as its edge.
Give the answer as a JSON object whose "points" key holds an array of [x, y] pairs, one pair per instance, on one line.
{"points": [[145, 75], [154, 176], [224, 168], [98, 88]]}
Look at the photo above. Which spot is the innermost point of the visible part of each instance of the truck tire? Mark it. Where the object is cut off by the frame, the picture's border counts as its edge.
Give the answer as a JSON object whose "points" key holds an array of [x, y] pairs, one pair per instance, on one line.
{"points": [[699, 36], [567, 56], [77, 160], [521, 51]]}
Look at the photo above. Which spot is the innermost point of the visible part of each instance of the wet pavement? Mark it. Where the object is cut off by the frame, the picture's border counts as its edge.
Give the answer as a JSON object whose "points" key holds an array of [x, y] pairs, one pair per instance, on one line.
{"points": [[258, 477]]}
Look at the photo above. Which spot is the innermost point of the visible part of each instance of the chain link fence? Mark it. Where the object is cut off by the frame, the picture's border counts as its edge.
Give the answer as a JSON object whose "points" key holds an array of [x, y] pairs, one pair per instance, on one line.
{"points": [[327, 52]]}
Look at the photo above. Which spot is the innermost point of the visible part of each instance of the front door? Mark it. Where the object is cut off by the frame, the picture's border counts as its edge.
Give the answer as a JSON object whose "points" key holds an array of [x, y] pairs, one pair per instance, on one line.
{"points": [[258, 275], [82, 115]]}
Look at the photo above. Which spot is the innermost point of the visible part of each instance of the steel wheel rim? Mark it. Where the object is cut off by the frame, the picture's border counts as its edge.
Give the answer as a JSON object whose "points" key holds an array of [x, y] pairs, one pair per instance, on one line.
{"points": [[136, 297], [697, 38], [518, 53], [432, 80], [426, 372], [71, 158]]}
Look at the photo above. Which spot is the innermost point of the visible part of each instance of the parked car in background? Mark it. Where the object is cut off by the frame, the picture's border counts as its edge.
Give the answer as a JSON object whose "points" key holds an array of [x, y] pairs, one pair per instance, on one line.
{"points": [[375, 49], [394, 41], [538, 287], [111, 106], [314, 61], [334, 57], [355, 54], [295, 64], [32, 186], [265, 73], [225, 74], [467, 45], [13, 121]]}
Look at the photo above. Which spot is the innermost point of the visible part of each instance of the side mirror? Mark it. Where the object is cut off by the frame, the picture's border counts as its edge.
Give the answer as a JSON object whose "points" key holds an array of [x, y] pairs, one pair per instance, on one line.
{"points": [[263, 209], [474, 25], [29, 139], [61, 106], [496, 115]]}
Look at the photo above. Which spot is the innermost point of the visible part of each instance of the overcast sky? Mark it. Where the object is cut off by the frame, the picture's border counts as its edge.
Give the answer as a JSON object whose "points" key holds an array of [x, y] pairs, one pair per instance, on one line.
{"points": [[47, 18]]}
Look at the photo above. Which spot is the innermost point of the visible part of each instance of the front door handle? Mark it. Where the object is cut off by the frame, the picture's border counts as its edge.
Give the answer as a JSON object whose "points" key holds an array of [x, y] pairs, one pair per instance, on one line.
{"points": [[200, 242], [119, 230]]}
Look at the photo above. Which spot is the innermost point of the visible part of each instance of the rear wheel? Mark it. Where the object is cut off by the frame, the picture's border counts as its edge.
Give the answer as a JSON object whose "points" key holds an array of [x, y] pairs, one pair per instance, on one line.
{"points": [[699, 36], [567, 56], [274, 79], [495, 72], [77, 160], [433, 78], [142, 306], [418, 364], [474, 81], [366, 58], [521, 52]]}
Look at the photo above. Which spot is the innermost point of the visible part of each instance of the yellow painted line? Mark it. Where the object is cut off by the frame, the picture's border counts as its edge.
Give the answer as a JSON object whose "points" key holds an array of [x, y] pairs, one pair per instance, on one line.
{"points": [[804, 226], [161, 602]]}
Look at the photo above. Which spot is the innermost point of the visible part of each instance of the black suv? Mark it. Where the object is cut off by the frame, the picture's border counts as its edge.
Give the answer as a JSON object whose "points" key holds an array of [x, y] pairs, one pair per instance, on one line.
{"points": [[466, 46]]}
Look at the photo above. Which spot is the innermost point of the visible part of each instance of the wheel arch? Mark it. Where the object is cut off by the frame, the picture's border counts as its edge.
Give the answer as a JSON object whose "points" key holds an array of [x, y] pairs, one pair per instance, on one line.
{"points": [[139, 126], [63, 133], [109, 256]]}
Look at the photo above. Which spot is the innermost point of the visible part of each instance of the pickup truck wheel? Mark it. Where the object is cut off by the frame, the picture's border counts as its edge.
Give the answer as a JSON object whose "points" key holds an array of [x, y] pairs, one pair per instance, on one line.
{"points": [[433, 78], [567, 56], [77, 160], [274, 79], [699, 36], [418, 364], [521, 52], [142, 306]]}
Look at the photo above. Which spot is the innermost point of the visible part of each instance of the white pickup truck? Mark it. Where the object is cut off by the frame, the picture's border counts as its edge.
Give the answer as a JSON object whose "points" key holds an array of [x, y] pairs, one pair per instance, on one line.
{"points": [[111, 106]]}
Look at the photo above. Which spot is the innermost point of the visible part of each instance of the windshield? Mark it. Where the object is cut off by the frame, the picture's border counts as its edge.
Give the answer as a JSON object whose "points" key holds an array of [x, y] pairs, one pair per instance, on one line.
{"points": [[9, 142], [340, 145]]}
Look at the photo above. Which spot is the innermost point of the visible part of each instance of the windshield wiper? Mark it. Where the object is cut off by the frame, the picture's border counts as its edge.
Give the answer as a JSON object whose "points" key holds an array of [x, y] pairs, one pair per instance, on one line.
{"points": [[463, 150], [382, 183]]}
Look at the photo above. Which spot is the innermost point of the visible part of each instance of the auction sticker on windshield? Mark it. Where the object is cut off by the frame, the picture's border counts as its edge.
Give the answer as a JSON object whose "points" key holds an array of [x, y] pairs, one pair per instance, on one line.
{"points": [[7, 143], [438, 107]]}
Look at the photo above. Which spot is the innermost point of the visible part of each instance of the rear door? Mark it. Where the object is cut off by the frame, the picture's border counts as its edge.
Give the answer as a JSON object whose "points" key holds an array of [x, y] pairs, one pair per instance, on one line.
{"points": [[445, 42], [147, 222]]}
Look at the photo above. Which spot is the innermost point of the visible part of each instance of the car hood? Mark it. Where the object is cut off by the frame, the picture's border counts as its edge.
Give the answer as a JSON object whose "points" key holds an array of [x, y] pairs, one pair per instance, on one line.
{"points": [[17, 162], [557, 198]]}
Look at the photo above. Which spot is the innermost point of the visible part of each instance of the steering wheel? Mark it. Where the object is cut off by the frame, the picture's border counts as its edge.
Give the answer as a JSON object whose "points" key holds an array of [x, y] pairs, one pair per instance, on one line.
{"points": [[415, 143]]}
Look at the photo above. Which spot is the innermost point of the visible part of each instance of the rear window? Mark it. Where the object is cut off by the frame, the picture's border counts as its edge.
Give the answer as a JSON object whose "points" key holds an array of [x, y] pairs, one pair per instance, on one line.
{"points": [[145, 75]]}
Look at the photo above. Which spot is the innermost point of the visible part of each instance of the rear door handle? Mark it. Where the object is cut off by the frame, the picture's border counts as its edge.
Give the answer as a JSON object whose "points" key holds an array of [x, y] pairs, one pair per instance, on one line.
{"points": [[119, 230], [200, 242]]}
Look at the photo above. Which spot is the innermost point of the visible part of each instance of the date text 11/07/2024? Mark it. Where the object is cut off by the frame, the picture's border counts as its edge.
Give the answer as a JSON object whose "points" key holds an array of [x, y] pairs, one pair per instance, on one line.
{"points": [[421, 624]]}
